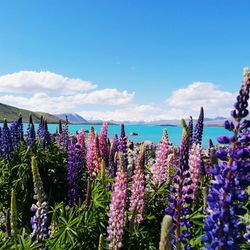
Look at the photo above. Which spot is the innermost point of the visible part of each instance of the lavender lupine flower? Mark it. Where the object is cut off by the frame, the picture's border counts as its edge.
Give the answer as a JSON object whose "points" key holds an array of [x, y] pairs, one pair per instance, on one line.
{"points": [[231, 176], [116, 223], [179, 197], [63, 136], [123, 145], [194, 167], [137, 190], [6, 141], [39, 221], [197, 136], [103, 143], [75, 166], [112, 167], [159, 168]]}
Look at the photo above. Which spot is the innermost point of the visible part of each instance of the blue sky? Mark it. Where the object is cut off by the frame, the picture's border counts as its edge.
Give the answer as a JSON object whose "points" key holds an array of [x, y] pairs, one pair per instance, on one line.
{"points": [[152, 50]]}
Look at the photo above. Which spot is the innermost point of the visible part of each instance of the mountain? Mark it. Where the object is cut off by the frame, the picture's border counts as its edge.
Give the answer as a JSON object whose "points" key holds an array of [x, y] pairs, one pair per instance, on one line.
{"points": [[72, 117], [12, 113]]}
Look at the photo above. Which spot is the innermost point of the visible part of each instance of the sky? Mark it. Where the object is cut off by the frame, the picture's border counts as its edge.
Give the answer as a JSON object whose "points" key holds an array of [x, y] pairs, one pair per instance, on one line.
{"points": [[123, 60]]}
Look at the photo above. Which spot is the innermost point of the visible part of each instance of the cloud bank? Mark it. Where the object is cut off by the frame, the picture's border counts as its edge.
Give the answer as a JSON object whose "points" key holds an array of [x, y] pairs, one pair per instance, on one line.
{"points": [[53, 93]]}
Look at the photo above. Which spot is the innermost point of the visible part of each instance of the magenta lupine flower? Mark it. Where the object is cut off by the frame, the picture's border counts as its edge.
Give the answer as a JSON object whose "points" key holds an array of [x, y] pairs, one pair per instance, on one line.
{"points": [[194, 167], [159, 168], [116, 223], [137, 191], [103, 143]]}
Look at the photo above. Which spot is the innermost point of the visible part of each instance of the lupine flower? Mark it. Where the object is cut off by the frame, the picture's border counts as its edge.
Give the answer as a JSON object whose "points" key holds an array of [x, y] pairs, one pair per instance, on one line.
{"points": [[227, 194], [81, 142], [247, 234], [63, 137], [13, 213], [197, 136], [179, 197], [39, 221], [123, 145], [75, 166], [116, 223], [6, 141], [93, 154], [103, 143], [137, 190], [190, 129], [112, 167], [194, 167], [43, 133], [166, 226], [159, 168], [169, 165], [16, 132], [31, 134]]}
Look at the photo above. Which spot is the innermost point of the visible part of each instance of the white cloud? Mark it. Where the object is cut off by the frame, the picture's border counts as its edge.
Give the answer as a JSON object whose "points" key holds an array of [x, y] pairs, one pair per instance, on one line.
{"points": [[43, 81], [131, 112], [56, 104], [216, 102]]}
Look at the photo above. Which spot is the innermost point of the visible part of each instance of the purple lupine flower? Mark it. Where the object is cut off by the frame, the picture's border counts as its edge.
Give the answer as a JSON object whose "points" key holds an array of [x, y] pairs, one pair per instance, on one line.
{"points": [[39, 221], [112, 167], [231, 177], [197, 136], [75, 166], [190, 129], [180, 197], [116, 223], [16, 132], [6, 141], [137, 201], [123, 145], [43, 133], [31, 134], [159, 169], [103, 143]]}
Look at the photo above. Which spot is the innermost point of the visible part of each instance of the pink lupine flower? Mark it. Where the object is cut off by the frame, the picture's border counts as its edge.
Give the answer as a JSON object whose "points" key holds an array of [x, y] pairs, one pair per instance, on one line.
{"points": [[137, 190], [93, 154], [159, 168], [194, 167], [116, 223], [103, 143], [81, 140]]}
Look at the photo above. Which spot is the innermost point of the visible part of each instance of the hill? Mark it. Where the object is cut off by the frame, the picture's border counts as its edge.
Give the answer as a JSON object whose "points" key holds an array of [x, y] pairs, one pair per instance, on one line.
{"points": [[72, 117], [11, 114]]}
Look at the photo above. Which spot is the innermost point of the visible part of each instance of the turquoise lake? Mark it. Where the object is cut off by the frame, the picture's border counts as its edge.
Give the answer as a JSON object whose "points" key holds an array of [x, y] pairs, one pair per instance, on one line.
{"points": [[147, 132]]}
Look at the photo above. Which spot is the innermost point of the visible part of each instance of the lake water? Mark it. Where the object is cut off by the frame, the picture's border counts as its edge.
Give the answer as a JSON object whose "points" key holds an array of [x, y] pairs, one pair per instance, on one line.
{"points": [[147, 132]]}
